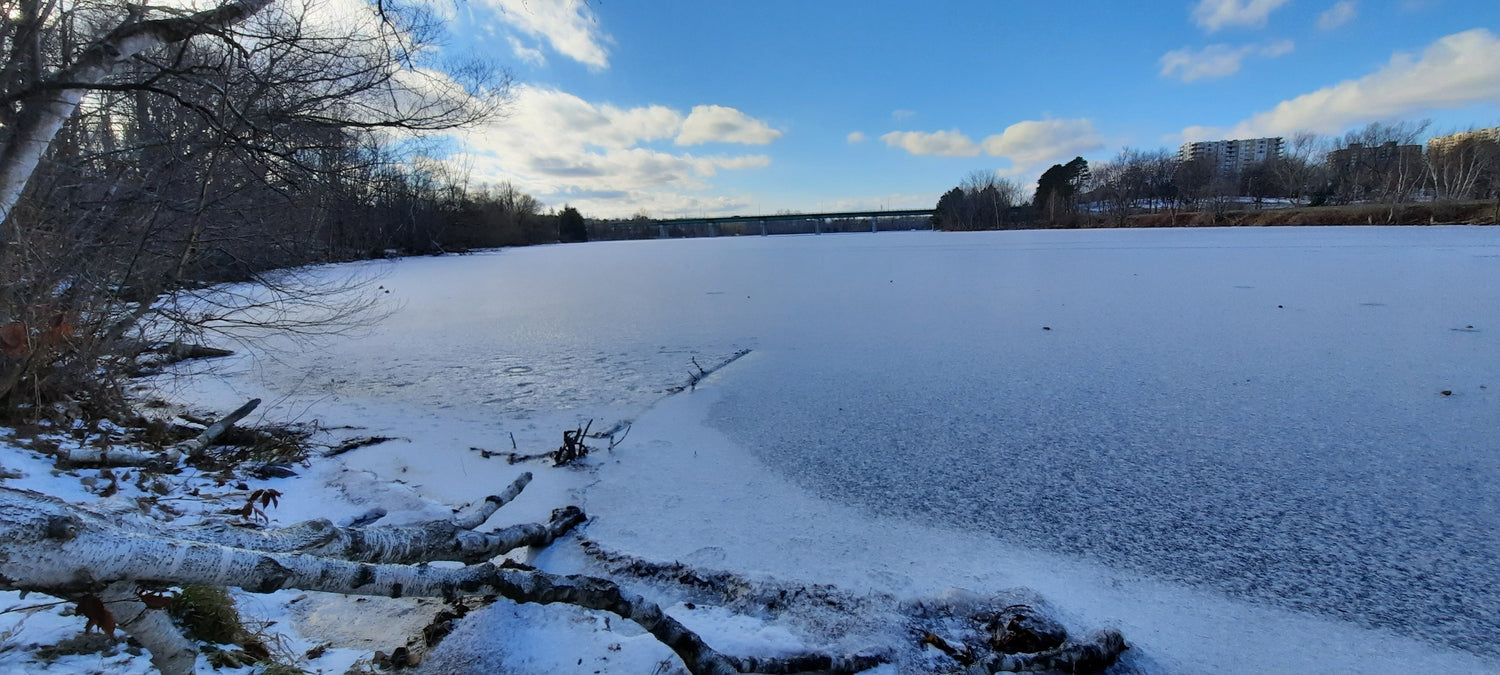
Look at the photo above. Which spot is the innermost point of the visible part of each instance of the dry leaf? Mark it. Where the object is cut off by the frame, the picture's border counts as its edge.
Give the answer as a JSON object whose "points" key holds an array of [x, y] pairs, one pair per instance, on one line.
{"points": [[91, 607]]}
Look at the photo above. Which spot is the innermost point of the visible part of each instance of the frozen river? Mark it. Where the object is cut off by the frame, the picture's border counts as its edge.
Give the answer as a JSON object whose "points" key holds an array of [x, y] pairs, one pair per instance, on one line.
{"points": [[1305, 419]]}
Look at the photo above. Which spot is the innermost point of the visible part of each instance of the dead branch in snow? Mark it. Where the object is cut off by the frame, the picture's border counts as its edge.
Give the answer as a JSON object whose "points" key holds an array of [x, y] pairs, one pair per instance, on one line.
{"points": [[187, 450], [1012, 637], [357, 443], [69, 551], [572, 448], [151, 357], [1093, 655], [726, 587], [695, 378]]}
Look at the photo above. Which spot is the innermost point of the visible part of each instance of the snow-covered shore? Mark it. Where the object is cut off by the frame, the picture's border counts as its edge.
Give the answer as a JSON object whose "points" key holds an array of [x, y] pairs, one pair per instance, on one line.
{"points": [[1075, 352]]}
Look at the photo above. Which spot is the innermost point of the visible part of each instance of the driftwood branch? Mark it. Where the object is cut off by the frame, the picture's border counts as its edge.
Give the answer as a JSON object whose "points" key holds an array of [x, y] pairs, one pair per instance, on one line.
{"points": [[1020, 638], [695, 378], [153, 356], [357, 443], [1092, 655], [170, 457], [64, 550], [572, 448], [446, 539], [192, 449]]}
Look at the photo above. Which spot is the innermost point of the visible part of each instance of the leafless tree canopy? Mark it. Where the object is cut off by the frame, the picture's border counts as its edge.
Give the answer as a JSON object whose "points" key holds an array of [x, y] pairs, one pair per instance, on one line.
{"points": [[213, 147]]}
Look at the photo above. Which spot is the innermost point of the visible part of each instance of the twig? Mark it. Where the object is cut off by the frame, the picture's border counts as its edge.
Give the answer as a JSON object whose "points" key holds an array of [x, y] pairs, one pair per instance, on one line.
{"points": [[357, 443], [32, 608], [613, 441]]}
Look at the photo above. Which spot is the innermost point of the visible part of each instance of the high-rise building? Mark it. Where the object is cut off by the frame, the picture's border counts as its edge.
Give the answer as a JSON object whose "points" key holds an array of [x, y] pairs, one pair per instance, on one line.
{"points": [[1232, 156], [1442, 143]]}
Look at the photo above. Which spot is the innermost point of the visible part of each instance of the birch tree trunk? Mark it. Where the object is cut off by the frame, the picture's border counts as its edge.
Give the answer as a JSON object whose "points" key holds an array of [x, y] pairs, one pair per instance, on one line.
{"points": [[63, 550], [50, 102]]}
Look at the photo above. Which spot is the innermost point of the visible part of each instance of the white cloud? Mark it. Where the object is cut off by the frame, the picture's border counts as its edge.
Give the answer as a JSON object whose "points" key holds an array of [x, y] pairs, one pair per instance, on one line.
{"points": [[561, 148], [1215, 14], [1203, 133], [1455, 71], [1036, 141], [720, 124], [856, 137], [577, 122], [945, 143], [1340, 13], [902, 114], [569, 26], [708, 166], [1278, 48], [1029, 145], [1216, 61], [526, 54]]}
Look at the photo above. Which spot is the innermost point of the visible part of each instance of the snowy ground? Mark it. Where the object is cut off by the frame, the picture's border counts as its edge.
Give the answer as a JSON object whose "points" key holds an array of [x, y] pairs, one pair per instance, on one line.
{"points": [[1233, 445]]}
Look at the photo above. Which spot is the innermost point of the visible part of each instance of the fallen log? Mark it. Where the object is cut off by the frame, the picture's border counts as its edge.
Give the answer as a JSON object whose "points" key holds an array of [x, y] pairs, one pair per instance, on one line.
{"points": [[151, 357], [68, 551], [170, 457], [1010, 630], [1093, 655]]}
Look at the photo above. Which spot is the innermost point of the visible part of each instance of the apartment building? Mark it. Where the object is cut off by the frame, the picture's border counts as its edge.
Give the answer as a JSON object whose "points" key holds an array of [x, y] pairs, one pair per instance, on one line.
{"points": [[1442, 143], [1358, 155], [1232, 156]]}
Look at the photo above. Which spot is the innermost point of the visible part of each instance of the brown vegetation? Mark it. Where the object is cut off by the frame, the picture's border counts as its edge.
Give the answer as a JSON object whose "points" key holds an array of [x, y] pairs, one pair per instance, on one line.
{"points": [[1421, 213]]}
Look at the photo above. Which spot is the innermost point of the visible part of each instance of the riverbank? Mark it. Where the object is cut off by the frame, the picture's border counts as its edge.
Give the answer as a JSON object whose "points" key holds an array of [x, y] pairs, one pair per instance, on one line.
{"points": [[1416, 213]]}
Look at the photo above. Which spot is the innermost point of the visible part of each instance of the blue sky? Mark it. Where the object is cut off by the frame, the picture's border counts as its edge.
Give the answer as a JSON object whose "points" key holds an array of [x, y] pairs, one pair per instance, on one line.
{"points": [[680, 108]]}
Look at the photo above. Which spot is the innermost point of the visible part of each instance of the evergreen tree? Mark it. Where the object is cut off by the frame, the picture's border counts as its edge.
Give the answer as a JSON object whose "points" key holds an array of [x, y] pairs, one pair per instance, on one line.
{"points": [[570, 226]]}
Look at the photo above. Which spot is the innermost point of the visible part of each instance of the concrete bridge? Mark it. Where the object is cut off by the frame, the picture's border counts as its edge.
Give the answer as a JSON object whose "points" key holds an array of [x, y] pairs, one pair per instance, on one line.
{"points": [[782, 223]]}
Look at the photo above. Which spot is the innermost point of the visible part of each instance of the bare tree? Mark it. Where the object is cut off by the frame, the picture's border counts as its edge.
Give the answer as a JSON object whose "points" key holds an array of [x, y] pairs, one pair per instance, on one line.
{"points": [[42, 94], [1380, 162], [226, 146], [1297, 166], [1458, 171]]}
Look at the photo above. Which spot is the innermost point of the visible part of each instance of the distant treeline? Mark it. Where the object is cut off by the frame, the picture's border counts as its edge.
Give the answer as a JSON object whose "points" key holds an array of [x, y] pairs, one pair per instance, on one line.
{"points": [[1376, 175], [642, 227]]}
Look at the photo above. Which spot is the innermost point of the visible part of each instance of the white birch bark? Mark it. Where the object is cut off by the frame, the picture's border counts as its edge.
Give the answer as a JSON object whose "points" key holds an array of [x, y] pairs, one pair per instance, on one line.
{"points": [[171, 652], [63, 550]]}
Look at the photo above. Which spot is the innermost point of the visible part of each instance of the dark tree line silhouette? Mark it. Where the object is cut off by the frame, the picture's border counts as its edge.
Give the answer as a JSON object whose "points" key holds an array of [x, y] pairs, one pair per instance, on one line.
{"points": [[1379, 164]]}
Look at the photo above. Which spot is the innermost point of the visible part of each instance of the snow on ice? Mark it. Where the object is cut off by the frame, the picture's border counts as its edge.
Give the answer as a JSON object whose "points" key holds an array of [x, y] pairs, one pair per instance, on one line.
{"points": [[1232, 445]]}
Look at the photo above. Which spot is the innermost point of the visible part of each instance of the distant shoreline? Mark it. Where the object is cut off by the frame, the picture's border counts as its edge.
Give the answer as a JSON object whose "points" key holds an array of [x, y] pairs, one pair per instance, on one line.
{"points": [[1418, 213]]}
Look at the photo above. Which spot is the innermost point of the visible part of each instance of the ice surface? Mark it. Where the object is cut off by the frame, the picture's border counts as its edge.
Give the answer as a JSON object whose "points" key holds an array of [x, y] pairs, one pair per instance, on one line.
{"points": [[1233, 444], [1257, 411]]}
